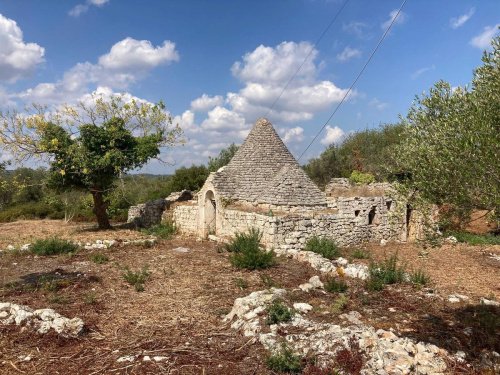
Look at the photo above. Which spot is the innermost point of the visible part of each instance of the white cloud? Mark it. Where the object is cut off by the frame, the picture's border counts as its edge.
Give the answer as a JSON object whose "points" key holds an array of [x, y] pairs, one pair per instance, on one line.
{"points": [[379, 105], [291, 135], [392, 15], [348, 53], [80, 9], [130, 54], [356, 28], [333, 135], [221, 119], [483, 40], [127, 62], [17, 58], [459, 21], [417, 73], [205, 103]]}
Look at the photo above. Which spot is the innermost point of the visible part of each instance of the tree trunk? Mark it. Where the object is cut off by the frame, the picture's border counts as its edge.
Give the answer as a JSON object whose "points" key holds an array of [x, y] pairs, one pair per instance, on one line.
{"points": [[100, 210]]}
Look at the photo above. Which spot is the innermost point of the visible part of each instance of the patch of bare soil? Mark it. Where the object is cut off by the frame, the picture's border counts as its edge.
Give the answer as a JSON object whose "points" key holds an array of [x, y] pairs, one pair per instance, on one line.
{"points": [[27, 231], [458, 268], [178, 316]]}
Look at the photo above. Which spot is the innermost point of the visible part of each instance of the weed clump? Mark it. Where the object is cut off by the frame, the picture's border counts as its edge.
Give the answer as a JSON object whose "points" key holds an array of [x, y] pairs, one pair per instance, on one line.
{"points": [[164, 230], [323, 246], [475, 239], [419, 277], [384, 273], [285, 360], [360, 254], [246, 251], [278, 312], [99, 258], [137, 278], [333, 285], [241, 283], [53, 246], [339, 304]]}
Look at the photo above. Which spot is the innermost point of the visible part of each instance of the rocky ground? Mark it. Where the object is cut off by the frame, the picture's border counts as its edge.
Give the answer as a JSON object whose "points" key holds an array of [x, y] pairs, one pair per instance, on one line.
{"points": [[199, 315]]}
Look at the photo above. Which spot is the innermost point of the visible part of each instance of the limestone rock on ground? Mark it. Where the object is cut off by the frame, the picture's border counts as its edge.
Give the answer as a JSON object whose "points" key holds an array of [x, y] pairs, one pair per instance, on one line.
{"points": [[42, 320]]}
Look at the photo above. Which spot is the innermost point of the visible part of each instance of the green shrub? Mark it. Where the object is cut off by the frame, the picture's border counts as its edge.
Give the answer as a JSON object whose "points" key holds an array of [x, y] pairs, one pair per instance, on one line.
{"points": [[360, 254], [419, 277], [285, 361], [323, 246], [164, 230], [386, 272], [99, 258], [52, 246], [358, 177], [278, 312], [268, 281], [247, 252], [475, 239], [333, 285], [339, 304], [137, 278], [241, 283]]}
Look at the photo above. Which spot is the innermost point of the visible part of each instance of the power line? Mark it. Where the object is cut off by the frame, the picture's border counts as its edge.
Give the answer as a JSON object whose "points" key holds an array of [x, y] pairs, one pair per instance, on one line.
{"points": [[356, 80], [307, 57]]}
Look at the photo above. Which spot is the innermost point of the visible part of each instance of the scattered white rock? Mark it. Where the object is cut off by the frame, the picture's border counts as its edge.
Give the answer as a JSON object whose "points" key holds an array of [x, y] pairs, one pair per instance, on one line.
{"points": [[489, 302], [159, 358], [126, 358], [211, 237], [10, 248], [302, 307], [313, 283], [42, 320], [456, 298], [352, 317], [181, 250], [451, 239], [383, 242]]}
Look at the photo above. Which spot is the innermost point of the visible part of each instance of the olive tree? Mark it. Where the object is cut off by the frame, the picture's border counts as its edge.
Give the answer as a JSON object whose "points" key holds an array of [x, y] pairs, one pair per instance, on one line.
{"points": [[450, 149], [89, 145]]}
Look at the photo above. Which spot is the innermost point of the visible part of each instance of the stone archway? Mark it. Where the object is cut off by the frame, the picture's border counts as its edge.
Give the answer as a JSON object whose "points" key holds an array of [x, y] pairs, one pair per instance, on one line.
{"points": [[209, 214]]}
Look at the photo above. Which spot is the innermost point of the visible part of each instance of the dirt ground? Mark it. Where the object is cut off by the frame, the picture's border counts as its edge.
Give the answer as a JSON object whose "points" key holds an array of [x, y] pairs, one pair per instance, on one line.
{"points": [[179, 314]]}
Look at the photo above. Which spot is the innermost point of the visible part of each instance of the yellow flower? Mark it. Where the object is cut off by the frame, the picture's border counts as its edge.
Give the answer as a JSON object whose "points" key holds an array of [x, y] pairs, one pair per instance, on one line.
{"points": [[62, 172]]}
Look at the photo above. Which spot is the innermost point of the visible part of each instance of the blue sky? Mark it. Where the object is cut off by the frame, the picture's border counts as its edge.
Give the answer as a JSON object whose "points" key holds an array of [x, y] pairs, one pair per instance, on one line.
{"points": [[218, 65]]}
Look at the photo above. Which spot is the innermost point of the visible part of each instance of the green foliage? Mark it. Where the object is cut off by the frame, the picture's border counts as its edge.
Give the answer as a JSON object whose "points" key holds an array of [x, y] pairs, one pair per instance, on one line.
{"points": [[268, 281], [245, 241], [246, 251], [358, 177], [164, 230], [137, 278], [339, 304], [366, 150], [323, 246], [191, 178], [420, 277], [224, 157], [334, 285], [241, 283], [99, 258], [278, 312], [360, 254], [386, 272], [452, 141], [475, 239], [52, 246], [285, 361]]}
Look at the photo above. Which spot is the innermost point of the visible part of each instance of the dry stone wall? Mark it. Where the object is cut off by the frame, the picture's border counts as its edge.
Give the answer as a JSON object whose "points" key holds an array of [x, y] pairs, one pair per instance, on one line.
{"points": [[186, 218]]}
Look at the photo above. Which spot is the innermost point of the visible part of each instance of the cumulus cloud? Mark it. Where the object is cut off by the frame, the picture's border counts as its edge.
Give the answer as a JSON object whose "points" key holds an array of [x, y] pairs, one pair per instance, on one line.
{"points": [[459, 21], [80, 9], [221, 119], [392, 15], [379, 105], [356, 28], [295, 134], [205, 103], [348, 53], [333, 135], [17, 58], [127, 62], [483, 40]]}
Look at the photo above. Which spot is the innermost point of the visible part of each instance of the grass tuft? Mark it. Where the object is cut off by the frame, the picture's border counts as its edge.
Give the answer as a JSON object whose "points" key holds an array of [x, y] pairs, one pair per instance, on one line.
{"points": [[474, 239], [137, 278], [285, 360], [164, 230], [384, 273], [419, 277], [99, 258], [323, 246], [246, 251], [360, 254], [53, 246], [334, 285], [278, 312]]}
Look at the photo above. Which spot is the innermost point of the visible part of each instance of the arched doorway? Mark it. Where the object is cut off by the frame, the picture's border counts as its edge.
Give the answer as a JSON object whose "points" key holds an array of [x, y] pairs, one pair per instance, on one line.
{"points": [[209, 208]]}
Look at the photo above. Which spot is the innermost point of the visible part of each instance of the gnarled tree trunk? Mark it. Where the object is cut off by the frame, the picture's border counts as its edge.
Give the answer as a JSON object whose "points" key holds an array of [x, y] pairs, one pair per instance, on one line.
{"points": [[100, 210]]}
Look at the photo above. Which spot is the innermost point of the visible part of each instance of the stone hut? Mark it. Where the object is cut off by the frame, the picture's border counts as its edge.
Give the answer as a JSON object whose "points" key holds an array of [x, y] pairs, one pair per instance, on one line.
{"points": [[264, 187]]}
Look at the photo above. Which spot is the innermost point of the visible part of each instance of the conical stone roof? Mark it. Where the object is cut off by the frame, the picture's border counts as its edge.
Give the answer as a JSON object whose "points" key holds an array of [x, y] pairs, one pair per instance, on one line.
{"points": [[264, 171]]}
